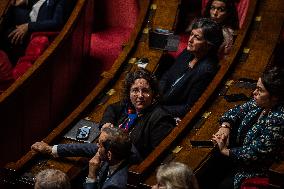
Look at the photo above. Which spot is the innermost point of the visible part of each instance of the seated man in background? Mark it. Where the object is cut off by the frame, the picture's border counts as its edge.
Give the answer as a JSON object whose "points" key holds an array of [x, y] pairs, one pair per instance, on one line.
{"points": [[109, 167], [26, 16], [52, 179]]}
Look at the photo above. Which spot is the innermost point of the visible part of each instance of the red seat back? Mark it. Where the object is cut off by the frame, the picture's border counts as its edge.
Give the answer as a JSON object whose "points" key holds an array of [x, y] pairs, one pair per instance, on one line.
{"points": [[255, 183], [37, 45]]}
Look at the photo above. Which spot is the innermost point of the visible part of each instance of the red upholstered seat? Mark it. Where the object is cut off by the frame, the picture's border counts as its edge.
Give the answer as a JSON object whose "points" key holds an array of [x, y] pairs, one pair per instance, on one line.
{"points": [[183, 39], [36, 46], [6, 77], [23, 64], [119, 19], [106, 45], [255, 183]]}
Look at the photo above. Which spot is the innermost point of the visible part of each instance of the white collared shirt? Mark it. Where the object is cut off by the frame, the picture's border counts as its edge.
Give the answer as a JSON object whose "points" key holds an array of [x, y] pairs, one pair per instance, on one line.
{"points": [[35, 10]]}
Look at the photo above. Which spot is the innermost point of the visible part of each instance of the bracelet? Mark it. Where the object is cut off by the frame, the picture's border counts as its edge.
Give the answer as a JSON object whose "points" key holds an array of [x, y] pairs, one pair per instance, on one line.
{"points": [[226, 126]]}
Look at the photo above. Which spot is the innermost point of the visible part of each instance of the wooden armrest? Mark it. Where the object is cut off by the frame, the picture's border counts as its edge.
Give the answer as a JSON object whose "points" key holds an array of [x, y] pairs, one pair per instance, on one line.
{"points": [[276, 175], [48, 34]]}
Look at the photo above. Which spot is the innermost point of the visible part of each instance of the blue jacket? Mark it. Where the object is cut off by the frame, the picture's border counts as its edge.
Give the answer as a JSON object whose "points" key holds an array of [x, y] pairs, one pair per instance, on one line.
{"points": [[117, 180]]}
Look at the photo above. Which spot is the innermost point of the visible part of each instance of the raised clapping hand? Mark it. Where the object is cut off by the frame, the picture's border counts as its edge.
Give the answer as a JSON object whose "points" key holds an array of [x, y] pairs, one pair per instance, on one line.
{"points": [[94, 165], [41, 147]]}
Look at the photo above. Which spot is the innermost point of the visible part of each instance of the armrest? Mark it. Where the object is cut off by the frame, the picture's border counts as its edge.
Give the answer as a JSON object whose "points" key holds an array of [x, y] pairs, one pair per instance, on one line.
{"points": [[48, 34], [276, 175]]}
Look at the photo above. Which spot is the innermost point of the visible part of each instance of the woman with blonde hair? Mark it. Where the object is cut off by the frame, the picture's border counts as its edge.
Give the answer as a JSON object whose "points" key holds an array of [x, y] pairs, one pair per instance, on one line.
{"points": [[175, 175]]}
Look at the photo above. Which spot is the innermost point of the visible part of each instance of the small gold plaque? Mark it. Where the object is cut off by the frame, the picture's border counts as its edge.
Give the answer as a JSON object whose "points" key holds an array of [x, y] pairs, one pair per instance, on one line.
{"points": [[177, 149], [111, 92], [229, 83], [257, 18], [246, 50], [146, 30], [206, 115], [132, 60], [154, 6]]}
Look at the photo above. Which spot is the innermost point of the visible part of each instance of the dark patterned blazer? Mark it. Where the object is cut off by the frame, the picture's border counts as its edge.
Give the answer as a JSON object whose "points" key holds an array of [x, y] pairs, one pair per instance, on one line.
{"points": [[254, 143]]}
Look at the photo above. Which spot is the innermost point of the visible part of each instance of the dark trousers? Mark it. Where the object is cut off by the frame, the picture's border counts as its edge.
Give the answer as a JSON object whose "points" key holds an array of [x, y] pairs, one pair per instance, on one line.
{"points": [[227, 183]]}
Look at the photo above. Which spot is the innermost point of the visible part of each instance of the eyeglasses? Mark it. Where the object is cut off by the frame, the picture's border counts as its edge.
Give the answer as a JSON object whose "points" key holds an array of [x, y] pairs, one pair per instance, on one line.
{"points": [[221, 9], [143, 91]]}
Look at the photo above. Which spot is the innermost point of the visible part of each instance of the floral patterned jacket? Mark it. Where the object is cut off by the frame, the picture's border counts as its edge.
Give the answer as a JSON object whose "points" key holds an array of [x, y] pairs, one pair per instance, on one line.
{"points": [[255, 142]]}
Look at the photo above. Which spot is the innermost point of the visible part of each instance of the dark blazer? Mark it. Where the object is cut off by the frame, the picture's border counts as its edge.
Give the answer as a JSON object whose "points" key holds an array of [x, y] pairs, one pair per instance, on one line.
{"points": [[117, 180], [89, 150], [50, 16], [149, 129], [77, 150], [178, 99]]}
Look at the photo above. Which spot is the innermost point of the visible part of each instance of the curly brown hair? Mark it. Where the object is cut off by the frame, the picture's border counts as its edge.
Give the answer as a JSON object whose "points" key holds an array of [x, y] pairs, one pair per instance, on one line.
{"points": [[140, 73], [273, 81]]}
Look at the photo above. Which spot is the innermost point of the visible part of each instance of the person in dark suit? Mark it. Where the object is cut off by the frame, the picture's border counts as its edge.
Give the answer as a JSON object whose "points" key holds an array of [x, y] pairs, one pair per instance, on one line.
{"points": [[195, 67], [108, 169], [33, 15], [27, 16]]}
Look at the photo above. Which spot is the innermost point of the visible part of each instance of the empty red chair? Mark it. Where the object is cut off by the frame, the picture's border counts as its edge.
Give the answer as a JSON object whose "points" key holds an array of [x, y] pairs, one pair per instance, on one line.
{"points": [[117, 20], [23, 64], [37, 45]]}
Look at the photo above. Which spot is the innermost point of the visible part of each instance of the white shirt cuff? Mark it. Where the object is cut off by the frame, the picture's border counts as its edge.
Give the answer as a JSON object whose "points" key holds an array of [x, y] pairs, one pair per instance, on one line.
{"points": [[54, 151], [90, 180]]}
